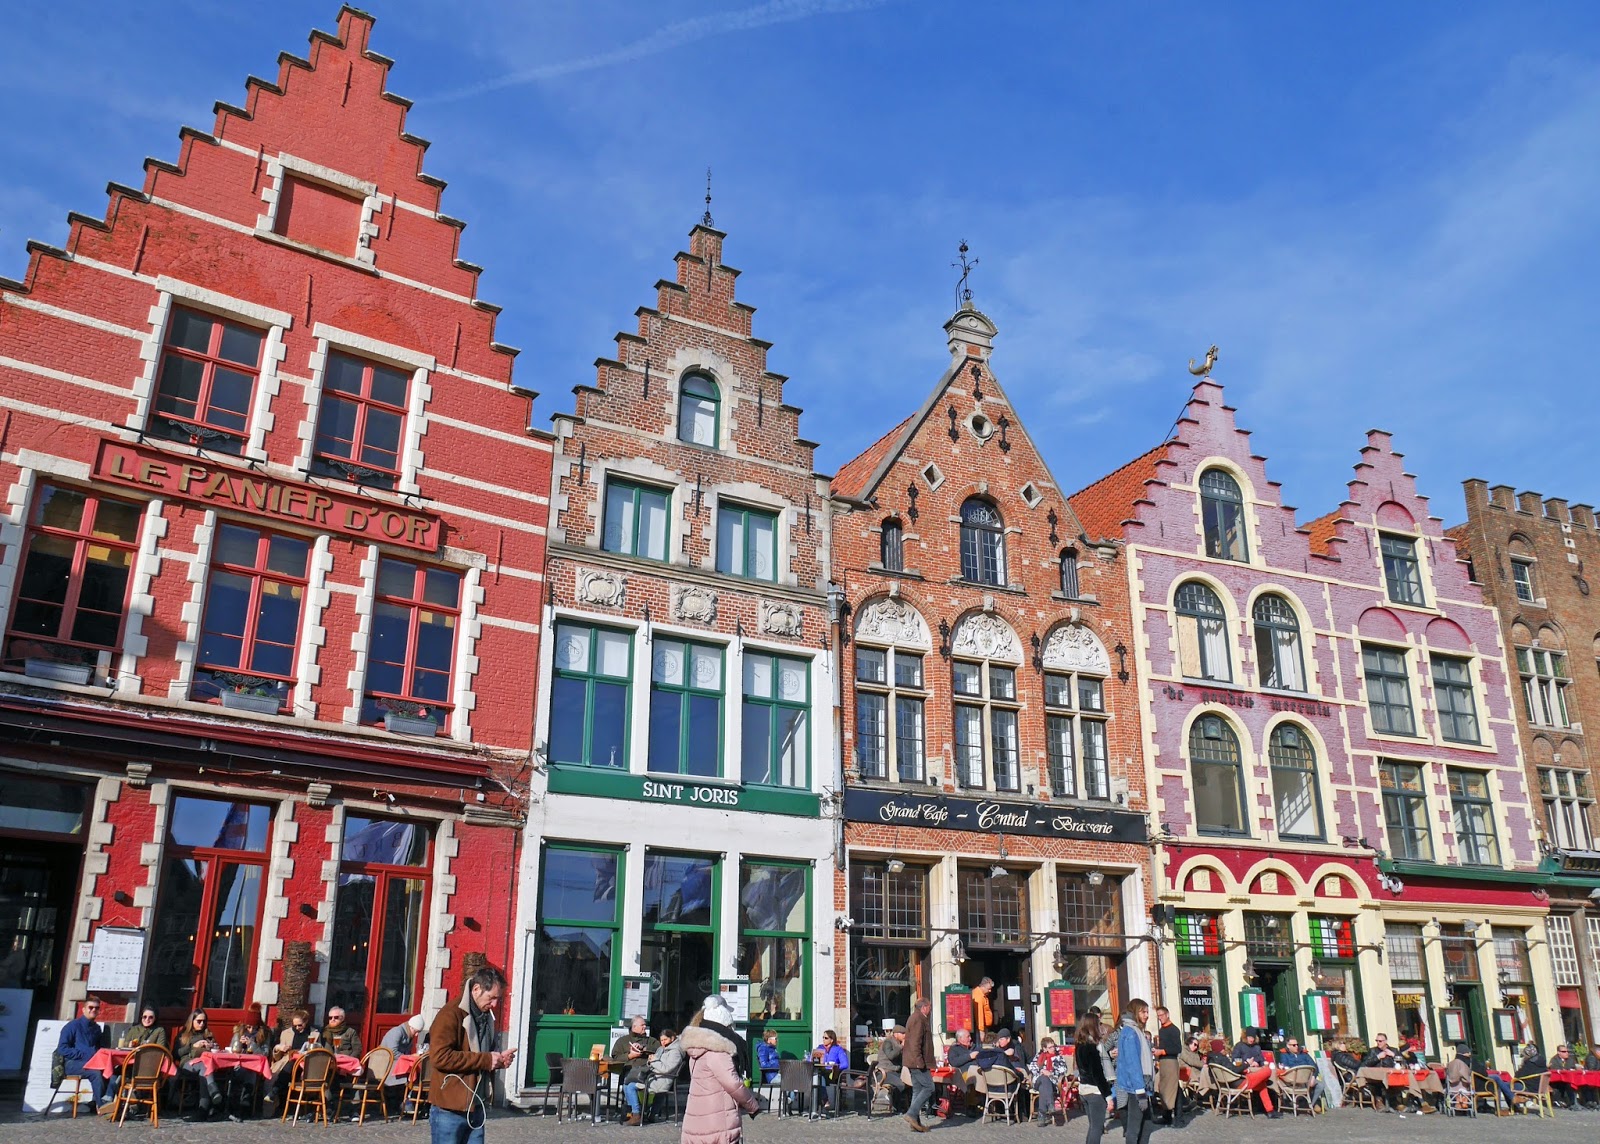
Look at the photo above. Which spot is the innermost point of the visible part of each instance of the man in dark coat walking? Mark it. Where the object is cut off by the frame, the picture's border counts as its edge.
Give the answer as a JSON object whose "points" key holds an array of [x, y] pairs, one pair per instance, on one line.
{"points": [[918, 1057]]}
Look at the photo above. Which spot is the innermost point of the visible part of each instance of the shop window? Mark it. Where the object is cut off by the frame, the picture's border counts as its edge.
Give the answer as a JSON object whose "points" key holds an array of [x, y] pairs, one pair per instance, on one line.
{"points": [[1544, 686], [1197, 941], [636, 520], [589, 708], [380, 923], [1075, 729], [679, 931], [1091, 915], [1405, 811], [1404, 944], [1563, 951], [208, 908], [777, 720], [1278, 656], [580, 924], [1402, 573], [699, 411], [1222, 516], [890, 696], [1268, 935], [983, 543], [1218, 773], [1472, 811], [774, 938], [1515, 976], [41, 806], [1332, 937], [1460, 952], [361, 421], [747, 542], [251, 630], [986, 725], [1202, 634], [207, 382], [686, 709], [889, 905], [1388, 690], [892, 547], [411, 655], [1567, 800], [1452, 694], [1294, 782], [993, 909], [1198, 935], [72, 590]]}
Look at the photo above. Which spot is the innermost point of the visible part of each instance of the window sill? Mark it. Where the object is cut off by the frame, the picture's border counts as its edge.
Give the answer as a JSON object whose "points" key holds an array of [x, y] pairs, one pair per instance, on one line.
{"points": [[901, 573], [1419, 609], [1204, 832], [1066, 599], [316, 251], [1014, 589]]}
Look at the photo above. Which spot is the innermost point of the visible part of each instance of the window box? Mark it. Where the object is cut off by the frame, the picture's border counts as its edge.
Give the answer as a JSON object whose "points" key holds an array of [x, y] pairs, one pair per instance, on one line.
{"points": [[410, 725], [245, 701], [79, 673]]}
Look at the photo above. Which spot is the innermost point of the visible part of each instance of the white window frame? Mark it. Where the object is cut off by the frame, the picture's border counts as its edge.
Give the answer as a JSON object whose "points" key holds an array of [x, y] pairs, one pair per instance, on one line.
{"points": [[1566, 810], [1544, 691], [372, 204], [988, 706], [893, 693]]}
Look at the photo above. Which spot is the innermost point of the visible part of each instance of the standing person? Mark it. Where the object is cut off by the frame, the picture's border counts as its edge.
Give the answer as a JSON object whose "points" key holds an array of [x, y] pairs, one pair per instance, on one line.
{"points": [[917, 1057], [1094, 1073], [464, 1060], [81, 1038], [1135, 1070], [716, 1092], [982, 1009], [1169, 1047]]}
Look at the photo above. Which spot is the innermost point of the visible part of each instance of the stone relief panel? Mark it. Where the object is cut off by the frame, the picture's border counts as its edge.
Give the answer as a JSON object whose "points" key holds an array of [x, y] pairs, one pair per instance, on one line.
{"points": [[982, 636], [607, 589], [694, 604], [893, 622], [1073, 647], [781, 619]]}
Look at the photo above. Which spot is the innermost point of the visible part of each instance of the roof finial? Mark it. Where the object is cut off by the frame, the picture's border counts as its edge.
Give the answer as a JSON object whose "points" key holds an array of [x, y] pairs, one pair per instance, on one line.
{"points": [[963, 291], [1204, 368], [705, 219]]}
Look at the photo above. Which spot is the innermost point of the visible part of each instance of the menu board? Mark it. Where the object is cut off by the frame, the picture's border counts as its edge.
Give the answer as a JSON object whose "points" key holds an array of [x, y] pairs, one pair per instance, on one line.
{"points": [[957, 1008], [1060, 1006], [736, 992], [117, 959], [635, 998]]}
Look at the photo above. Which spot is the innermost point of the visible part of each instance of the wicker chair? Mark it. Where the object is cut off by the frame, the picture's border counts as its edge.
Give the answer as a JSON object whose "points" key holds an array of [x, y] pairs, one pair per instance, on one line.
{"points": [[579, 1077], [1234, 1093], [308, 1084], [140, 1082], [1536, 1094], [416, 1090], [1296, 1084], [1357, 1092], [795, 1077], [1001, 1088], [368, 1085], [551, 1088]]}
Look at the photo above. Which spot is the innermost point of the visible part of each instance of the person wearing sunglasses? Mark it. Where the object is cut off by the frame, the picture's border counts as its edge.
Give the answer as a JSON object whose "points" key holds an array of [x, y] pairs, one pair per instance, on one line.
{"points": [[193, 1042], [145, 1032], [81, 1038]]}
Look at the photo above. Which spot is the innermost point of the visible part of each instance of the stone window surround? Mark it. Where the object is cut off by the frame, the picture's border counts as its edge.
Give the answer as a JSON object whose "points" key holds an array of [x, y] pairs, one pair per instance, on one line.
{"points": [[271, 195]]}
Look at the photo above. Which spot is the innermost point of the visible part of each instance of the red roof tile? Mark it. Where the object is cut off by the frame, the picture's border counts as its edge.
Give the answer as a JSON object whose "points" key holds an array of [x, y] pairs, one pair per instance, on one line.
{"points": [[1104, 505], [1322, 530], [851, 479]]}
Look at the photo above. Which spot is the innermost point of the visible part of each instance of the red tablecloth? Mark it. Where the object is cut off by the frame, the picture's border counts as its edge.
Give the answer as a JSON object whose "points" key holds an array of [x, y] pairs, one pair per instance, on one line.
{"points": [[349, 1066], [254, 1062], [404, 1063], [106, 1062], [1580, 1078], [941, 1074]]}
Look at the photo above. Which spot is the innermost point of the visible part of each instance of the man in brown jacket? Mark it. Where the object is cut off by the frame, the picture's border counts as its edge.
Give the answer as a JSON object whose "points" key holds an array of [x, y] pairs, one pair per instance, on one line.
{"points": [[463, 1058], [918, 1057]]}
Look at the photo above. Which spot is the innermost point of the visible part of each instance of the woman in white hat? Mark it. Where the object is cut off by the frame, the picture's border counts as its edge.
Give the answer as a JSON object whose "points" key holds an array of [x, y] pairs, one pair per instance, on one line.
{"points": [[716, 1090]]}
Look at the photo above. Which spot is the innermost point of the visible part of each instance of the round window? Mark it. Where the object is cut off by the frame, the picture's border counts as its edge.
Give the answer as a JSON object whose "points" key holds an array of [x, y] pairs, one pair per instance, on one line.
{"points": [[980, 426]]}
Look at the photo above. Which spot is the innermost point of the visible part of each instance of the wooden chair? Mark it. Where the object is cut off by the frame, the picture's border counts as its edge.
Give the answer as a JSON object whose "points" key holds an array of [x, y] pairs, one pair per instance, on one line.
{"points": [[368, 1085], [1357, 1092], [1000, 1089], [308, 1084], [1536, 1093], [140, 1082], [1234, 1093], [1296, 1084], [80, 1090], [417, 1087], [579, 1077]]}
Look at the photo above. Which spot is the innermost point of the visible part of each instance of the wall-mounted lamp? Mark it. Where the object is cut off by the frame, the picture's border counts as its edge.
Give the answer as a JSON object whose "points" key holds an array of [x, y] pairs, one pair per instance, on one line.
{"points": [[1096, 878], [896, 866], [959, 953]]}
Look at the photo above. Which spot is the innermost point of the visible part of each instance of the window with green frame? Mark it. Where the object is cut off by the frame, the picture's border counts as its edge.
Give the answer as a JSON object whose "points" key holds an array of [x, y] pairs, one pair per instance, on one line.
{"points": [[678, 938], [637, 520], [774, 933], [686, 709], [580, 924], [777, 720], [589, 696], [747, 542]]}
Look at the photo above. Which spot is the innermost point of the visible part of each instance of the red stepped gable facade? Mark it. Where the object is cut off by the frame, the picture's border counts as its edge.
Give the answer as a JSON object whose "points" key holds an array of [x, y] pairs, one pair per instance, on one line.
{"points": [[270, 563], [994, 789]]}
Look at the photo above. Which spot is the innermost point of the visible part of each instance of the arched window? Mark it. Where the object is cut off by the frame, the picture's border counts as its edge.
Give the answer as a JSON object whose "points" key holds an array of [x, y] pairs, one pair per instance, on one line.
{"points": [[1278, 656], [892, 547], [1069, 573], [1294, 783], [698, 409], [1218, 775], [983, 543], [1222, 513], [1202, 634]]}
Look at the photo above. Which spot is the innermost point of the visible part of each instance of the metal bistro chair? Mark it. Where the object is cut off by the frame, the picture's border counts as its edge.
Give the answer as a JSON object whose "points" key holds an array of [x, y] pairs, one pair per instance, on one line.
{"points": [[140, 1082], [1538, 1095], [1459, 1097], [416, 1090], [579, 1077], [308, 1084], [1000, 1089], [368, 1085], [794, 1078], [1357, 1092], [1296, 1084], [771, 1089], [1233, 1090], [552, 1086]]}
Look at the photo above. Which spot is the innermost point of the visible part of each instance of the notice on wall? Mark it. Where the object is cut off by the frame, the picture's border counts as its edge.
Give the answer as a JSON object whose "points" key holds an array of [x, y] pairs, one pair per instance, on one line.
{"points": [[736, 992], [635, 998], [1013, 993], [36, 1095], [117, 959]]}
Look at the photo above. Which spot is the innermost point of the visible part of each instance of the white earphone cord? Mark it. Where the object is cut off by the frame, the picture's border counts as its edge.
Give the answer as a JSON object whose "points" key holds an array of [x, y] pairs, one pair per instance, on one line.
{"points": [[472, 1092]]}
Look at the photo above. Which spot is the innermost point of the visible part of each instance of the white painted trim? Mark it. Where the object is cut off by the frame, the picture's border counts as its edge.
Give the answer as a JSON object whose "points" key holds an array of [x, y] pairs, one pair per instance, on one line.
{"points": [[361, 637], [511, 625], [141, 601], [467, 664], [224, 304], [187, 652], [103, 326], [66, 378], [372, 347], [508, 438], [313, 633]]}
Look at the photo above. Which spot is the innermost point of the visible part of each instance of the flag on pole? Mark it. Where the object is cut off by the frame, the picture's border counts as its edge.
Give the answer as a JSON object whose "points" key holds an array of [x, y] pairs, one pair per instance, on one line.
{"points": [[235, 831], [1319, 1011], [1252, 1009]]}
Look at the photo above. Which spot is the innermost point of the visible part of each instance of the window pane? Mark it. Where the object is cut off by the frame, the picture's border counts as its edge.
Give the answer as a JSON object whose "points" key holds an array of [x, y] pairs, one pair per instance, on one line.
{"points": [[772, 899], [677, 889], [1096, 766], [190, 330], [389, 385], [758, 676], [909, 739], [1002, 683], [608, 739], [1005, 750], [575, 969], [965, 679], [969, 746], [1091, 696], [871, 735], [233, 936], [612, 653], [212, 822], [383, 842], [777, 983], [1058, 690], [653, 524], [730, 541], [171, 977], [763, 531], [666, 730], [705, 736], [757, 760], [579, 885], [618, 536], [871, 665]]}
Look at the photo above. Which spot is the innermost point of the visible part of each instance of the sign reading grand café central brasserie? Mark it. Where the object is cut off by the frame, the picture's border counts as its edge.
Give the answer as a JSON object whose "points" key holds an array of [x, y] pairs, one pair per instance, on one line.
{"points": [[991, 816]]}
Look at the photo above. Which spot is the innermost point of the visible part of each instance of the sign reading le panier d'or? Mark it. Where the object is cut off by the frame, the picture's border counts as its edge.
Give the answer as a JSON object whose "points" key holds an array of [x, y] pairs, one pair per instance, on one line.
{"points": [[238, 490], [990, 816]]}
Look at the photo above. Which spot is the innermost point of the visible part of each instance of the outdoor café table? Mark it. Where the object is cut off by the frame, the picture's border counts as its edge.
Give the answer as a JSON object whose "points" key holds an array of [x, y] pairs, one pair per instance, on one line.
{"points": [[404, 1063], [1577, 1078], [941, 1078], [249, 1062], [1417, 1080], [347, 1066]]}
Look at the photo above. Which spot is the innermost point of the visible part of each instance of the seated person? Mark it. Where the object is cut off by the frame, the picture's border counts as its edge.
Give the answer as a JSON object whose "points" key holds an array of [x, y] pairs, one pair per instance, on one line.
{"points": [[405, 1039], [961, 1054], [1343, 1059], [1561, 1092], [630, 1054], [81, 1038], [1005, 1053], [767, 1058], [1530, 1065], [1294, 1057], [252, 1035], [339, 1036], [193, 1041], [1464, 1054], [1247, 1059], [889, 1051], [660, 1073], [146, 1032], [831, 1060], [294, 1040], [1048, 1071]]}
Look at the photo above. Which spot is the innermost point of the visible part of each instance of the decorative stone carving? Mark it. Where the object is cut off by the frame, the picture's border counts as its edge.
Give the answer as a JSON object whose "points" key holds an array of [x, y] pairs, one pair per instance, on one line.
{"points": [[695, 604], [893, 622], [1073, 647], [607, 589], [780, 619], [982, 636]]}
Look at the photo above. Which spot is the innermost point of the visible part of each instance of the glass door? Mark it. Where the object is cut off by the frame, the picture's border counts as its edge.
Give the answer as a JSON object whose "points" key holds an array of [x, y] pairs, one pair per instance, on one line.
{"points": [[679, 940]]}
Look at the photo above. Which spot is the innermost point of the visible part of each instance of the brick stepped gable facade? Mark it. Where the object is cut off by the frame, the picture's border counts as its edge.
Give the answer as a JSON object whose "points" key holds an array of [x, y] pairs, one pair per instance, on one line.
{"points": [[301, 228], [1535, 557], [689, 530], [915, 616], [1261, 648]]}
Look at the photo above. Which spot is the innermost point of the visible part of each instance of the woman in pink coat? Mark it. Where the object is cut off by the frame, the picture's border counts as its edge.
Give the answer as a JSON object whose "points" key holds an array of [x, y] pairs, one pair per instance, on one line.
{"points": [[716, 1091]]}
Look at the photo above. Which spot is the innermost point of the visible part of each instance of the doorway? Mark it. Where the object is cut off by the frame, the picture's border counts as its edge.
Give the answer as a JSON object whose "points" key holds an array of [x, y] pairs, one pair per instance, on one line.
{"points": [[1469, 999], [1012, 974], [38, 882], [1279, 983]]}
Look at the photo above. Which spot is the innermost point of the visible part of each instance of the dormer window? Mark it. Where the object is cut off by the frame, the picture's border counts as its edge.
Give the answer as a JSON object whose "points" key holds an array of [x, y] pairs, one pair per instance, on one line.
{"points": [[1402, 574], [983, 545], [699, 410], [1222, 515]]}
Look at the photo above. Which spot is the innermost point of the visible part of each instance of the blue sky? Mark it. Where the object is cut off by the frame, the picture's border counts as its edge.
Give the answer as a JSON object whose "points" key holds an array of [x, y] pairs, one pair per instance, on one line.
{"points": [[1387, 215]]}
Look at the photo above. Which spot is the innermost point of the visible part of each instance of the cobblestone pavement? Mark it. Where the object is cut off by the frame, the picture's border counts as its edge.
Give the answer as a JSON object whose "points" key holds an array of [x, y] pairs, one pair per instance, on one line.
{"points": [[1342, 1127]]}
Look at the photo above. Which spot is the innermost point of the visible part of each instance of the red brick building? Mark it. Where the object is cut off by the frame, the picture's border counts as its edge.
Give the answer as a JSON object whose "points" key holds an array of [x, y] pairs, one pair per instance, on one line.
{"points": [[270, 573], [994, 786]]}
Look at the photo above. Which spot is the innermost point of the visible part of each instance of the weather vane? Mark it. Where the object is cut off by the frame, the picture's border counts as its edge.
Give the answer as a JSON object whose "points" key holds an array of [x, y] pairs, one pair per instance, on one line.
{"points": [[1204, 368], [705, 219], [963, 291]]}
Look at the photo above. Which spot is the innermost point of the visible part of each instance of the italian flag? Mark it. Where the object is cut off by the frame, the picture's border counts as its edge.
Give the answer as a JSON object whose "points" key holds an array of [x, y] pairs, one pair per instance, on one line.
{"points": [[1319, 1011], [1252, 1009]]}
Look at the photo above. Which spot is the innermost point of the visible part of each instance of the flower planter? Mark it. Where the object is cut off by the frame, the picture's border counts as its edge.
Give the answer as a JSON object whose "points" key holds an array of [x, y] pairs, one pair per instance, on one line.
{"points": [[409, 725], [260, 704], [79, 673]]}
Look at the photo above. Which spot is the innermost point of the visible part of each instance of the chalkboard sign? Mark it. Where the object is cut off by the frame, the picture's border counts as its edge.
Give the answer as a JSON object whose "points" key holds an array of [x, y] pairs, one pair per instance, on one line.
{"points": [[957, 1008], [1060, 1007], [118, 957]]}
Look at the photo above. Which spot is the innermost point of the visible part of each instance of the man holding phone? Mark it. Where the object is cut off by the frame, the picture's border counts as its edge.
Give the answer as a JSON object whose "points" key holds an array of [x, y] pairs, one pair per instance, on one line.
{"points": [[461, 1051]]}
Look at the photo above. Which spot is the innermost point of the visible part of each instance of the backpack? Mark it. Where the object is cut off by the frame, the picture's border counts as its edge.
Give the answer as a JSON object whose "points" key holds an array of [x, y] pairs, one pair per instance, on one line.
{"points": [[58, 1069]]}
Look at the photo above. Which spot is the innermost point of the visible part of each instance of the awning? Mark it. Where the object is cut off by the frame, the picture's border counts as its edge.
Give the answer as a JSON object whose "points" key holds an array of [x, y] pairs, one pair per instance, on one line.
{"points": [[1569, 999]]}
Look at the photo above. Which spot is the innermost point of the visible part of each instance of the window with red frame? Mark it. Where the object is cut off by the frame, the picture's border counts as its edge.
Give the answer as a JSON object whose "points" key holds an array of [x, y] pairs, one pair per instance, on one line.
{"points": [[414, 621], [254, 599], [77, 563], [361, 420], [208, 378]]}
